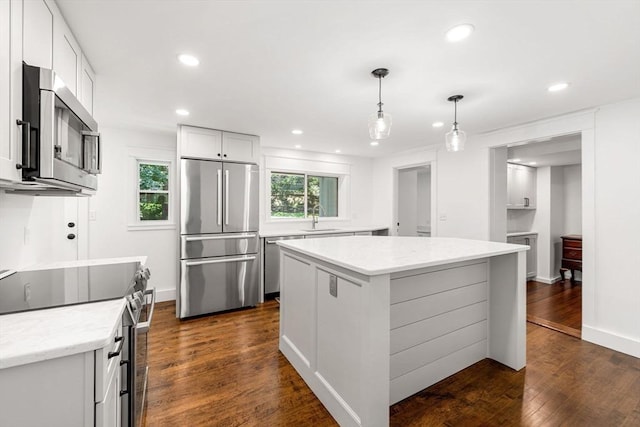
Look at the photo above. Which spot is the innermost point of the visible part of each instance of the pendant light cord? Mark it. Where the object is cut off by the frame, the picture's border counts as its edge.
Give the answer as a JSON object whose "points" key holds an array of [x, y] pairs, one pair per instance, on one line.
{"points": [[455, 114], [379, 94]]}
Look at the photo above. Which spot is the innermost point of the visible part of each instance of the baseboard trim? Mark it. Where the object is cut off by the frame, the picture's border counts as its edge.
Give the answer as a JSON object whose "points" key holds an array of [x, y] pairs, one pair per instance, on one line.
{"points": [[165, 295], [547, 280], [610, 340]]}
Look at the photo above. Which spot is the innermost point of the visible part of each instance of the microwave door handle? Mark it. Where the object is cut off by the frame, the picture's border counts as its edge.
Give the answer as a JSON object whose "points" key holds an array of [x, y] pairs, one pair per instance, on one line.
{"points": [[26, 145]]}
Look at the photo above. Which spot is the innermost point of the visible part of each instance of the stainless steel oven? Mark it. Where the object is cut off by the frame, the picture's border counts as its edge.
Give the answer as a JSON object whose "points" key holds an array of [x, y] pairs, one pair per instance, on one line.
{"points": [[136, 323]]}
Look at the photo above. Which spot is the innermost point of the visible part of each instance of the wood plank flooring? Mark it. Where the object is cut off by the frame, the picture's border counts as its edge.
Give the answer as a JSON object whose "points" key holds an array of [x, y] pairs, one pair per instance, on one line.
{"points": [[557, 306], [226, 370]]}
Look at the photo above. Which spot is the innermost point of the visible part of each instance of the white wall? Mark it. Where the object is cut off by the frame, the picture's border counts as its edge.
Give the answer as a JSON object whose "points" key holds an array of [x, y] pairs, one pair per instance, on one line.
{"points": [[27, 228], [616, 294], [408, 202], [424, 199], [556, 226], [572, 190], [110, 232]]}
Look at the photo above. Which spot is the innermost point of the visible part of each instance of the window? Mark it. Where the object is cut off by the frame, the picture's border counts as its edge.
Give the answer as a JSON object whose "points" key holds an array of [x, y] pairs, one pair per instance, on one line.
{"points": [[153, 191], [296, 195]]}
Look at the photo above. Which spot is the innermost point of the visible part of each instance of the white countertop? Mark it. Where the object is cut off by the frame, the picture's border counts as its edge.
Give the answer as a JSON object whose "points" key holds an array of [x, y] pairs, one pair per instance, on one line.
{"points": [[34, 336], [322, 229], [521, 233], [374, 255]]}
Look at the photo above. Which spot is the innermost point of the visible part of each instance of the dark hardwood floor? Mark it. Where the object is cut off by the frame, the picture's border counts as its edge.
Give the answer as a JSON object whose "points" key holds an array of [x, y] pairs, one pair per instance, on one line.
{"points": [[557, 306], [226, 370]]}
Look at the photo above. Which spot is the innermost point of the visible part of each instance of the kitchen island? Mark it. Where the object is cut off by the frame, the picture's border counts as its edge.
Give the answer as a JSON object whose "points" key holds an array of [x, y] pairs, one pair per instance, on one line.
{"points": [[369, 321]]}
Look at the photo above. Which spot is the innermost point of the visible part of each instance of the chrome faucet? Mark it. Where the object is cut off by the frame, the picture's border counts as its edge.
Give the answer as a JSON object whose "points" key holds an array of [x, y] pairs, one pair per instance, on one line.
{"points": [[315, 215]]}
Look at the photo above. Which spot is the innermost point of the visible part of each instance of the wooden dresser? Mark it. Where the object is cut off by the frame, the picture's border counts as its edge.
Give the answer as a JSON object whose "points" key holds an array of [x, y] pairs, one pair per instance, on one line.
{"points": [[571, 255]]}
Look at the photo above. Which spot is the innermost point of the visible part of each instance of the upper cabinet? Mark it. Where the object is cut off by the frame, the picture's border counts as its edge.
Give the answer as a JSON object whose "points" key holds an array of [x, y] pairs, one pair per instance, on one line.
{"points": [[10, 89], [37, 31], [87, 85], [214, 144], [34, 31], [521, 187]]}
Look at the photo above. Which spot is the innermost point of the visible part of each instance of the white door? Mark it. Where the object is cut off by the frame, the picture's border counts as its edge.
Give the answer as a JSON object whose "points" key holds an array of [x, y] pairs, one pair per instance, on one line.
{"points": [[407, 203]]}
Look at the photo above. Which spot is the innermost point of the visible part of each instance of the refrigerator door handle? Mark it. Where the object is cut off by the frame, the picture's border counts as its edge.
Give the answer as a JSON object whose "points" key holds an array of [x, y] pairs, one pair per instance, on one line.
{"points": [[226, 197], [220, 261], [223, 237], [219, 213]]}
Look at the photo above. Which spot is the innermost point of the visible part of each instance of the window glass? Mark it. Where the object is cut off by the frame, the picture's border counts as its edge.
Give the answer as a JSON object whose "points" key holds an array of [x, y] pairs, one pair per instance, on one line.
{"points": [[322, 195], [153, 192], [300, 196], [287, 195]]}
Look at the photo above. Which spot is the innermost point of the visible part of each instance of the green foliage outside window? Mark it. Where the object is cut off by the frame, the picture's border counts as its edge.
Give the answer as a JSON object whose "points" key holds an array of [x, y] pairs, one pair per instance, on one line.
{"points": [[153, 192], [288, 195]]}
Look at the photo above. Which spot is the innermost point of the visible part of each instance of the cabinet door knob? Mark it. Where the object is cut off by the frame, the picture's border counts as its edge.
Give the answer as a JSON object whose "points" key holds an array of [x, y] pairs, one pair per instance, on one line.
{"points": [[71, 236], [71, 224]]}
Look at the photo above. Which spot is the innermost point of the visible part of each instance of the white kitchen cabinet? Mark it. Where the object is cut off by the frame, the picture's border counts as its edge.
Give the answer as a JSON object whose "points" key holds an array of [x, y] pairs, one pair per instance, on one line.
{"points": [[34, 31], [532, 254], [521, 187], [81, 389], [67, 56], [218, 145], [240, 147], [87, 85], [10, 90], [38, 34]]}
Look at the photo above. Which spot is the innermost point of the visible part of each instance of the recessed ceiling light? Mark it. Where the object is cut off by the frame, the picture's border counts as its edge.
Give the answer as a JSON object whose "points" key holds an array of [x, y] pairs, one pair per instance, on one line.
{"points": [[182, 112], [338, 151], [533, 163], [437, 124], [374, 143], [189, 60], [558, 86], [514, 160], [297, 132], [298, 146], [459, 32]]}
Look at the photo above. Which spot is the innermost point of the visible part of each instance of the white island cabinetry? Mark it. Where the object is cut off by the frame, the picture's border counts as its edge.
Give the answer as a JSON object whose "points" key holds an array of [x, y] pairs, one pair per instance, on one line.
{"points": [[369, 321]]}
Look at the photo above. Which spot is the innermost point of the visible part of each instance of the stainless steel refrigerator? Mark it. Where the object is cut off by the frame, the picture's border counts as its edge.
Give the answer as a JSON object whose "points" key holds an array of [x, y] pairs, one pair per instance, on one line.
{"points": [[219, 241]]}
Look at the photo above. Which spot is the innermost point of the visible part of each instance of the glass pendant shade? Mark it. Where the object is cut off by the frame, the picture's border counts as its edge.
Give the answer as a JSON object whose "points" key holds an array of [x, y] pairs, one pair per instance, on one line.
{"points": [[379, 125], [456, 139]]}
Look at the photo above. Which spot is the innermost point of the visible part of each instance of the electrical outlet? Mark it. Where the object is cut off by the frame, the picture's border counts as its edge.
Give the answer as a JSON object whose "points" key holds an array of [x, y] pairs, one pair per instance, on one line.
{"points": [[92, 215]]}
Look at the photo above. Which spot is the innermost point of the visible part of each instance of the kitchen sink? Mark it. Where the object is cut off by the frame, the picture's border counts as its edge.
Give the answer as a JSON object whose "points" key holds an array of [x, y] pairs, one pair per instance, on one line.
{"points": [[320, 229]]}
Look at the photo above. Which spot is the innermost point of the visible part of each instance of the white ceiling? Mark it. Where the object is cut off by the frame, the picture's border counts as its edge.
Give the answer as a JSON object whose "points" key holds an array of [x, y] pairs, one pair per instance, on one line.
{"points": [[268, 67]]}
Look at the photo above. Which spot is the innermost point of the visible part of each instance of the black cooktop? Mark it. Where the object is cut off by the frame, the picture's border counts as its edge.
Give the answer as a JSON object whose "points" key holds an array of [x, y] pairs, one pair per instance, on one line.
{"points": [[39, 289]]}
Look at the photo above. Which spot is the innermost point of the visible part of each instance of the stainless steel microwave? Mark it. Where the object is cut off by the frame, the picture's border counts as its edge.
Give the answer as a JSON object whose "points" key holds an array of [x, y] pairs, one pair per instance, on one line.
{"points": [[60, 140]]}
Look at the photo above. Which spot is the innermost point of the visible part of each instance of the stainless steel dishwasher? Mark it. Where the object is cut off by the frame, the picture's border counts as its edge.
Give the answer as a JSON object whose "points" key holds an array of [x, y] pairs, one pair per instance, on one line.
{"points": [[272, 265]]}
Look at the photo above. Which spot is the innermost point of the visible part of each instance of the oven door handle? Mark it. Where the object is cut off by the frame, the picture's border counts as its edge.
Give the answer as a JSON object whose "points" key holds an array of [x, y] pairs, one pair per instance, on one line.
{"points": [[144, 326]]}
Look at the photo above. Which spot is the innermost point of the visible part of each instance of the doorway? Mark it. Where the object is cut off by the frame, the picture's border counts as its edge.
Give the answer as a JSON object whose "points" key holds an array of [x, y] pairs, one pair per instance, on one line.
{"points": [[544, 208], [413, 208]]}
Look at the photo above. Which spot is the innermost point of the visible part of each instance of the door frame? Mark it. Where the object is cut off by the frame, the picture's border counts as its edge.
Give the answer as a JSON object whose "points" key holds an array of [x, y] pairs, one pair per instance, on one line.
{"points": [[396, 182], [578, 123]]}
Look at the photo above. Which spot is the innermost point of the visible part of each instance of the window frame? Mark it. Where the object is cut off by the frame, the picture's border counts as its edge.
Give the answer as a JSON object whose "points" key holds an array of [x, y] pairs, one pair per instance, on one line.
{"points": [[151, 157]]}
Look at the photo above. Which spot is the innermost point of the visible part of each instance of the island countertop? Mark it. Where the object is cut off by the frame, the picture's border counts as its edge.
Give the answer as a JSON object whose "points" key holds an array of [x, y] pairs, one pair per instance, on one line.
{"points": [[375, 255]]}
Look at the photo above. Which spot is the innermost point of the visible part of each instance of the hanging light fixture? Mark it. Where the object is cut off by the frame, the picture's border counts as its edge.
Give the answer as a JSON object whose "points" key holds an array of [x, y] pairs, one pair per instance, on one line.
{"points": [[379, 122], [455, 138]]}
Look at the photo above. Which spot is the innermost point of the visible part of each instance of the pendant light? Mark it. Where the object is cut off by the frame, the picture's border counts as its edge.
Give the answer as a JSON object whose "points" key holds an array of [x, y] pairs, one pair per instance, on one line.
{"points": [[455, 138], [379, 122]]}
